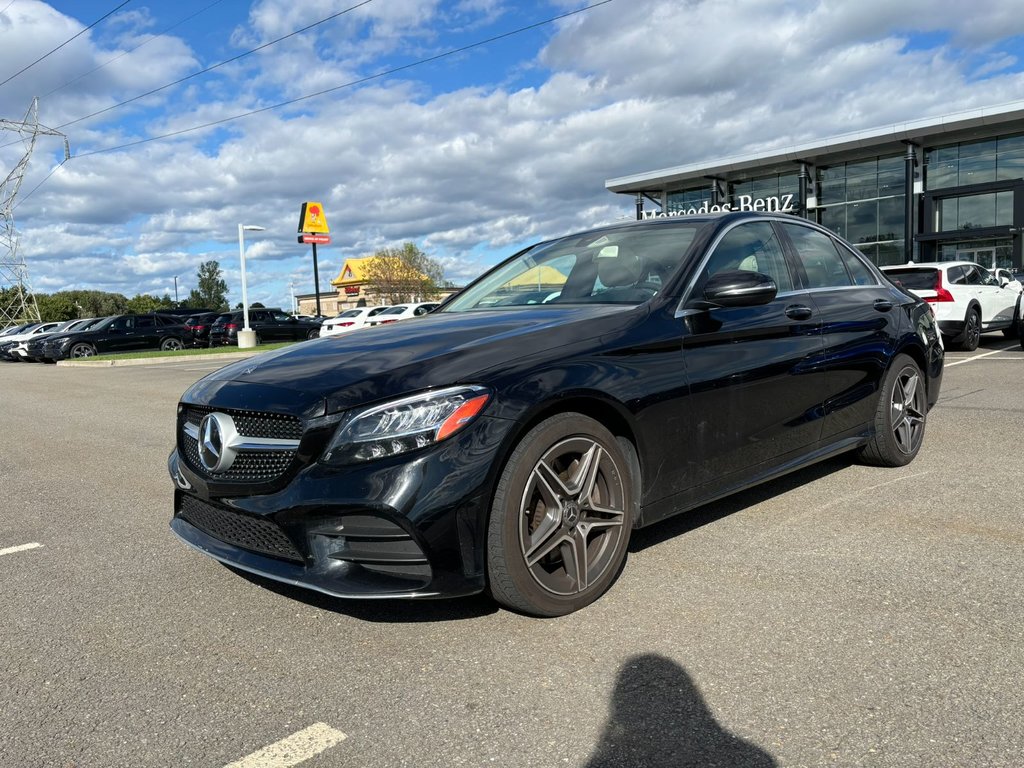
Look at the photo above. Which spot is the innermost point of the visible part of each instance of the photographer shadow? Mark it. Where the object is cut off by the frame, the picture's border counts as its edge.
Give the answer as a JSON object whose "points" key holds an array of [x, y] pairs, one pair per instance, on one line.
{"points": [[659, 720]]}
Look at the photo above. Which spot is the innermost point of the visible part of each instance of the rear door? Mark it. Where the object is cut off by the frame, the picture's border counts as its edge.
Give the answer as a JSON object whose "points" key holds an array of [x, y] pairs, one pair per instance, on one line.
{"points": [[860, 325]]}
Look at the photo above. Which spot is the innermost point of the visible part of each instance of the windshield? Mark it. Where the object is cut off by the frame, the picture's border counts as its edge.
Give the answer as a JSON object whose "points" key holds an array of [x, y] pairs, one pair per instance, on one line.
{"points": [[626, 266]]}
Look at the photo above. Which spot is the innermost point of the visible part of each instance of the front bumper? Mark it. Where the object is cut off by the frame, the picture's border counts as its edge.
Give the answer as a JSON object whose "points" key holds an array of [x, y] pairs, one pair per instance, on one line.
{"points": [[411, 526]]}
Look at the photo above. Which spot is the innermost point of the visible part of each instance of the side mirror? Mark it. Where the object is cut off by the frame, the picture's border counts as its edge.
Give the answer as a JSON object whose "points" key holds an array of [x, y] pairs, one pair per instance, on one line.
{"points": [[1003, 282], [737, 288]]}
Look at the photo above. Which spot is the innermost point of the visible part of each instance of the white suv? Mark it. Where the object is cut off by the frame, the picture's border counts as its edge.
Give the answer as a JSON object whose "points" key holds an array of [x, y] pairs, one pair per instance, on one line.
{"points": [[967, 299]]}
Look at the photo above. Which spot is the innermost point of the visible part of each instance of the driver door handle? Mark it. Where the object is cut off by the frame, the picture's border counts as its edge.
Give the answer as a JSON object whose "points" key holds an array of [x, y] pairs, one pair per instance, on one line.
{"points": [[882, 305], [798, 312]]}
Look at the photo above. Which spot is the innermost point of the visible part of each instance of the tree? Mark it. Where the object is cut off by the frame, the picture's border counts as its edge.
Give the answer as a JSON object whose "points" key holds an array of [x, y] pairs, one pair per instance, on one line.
{"points": [[144, 302], [211, 291], [397, 275], [58, 307]]}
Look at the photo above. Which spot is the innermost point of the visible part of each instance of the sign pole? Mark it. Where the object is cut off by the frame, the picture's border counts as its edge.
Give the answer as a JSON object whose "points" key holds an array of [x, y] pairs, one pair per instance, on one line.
{"points": [[316, 281]]}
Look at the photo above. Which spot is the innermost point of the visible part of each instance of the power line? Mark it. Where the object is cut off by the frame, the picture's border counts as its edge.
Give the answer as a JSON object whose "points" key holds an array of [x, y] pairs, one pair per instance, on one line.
{"points": [[148, 40], [25, 69], [220, 64], [349, 84]]}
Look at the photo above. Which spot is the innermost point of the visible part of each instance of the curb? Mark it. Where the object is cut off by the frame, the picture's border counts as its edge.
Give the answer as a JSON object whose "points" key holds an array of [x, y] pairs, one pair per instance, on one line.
{"points": [[153, 360]]}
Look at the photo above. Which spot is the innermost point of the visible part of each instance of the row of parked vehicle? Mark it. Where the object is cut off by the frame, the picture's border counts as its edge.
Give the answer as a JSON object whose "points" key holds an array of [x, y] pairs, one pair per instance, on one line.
{"points": [[52, 341], [361, 317], [967, 299]]}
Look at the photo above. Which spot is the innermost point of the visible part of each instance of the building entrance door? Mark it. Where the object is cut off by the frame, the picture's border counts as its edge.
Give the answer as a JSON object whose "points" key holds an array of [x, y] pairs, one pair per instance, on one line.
{"points": [[986, 257]]}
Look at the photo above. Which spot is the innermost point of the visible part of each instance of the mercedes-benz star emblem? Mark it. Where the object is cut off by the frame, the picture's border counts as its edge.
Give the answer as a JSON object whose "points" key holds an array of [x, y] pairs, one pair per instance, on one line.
{"points": [[216, 436]]}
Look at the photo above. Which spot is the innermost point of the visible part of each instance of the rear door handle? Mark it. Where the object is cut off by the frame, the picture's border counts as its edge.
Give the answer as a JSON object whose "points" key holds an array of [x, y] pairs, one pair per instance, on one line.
{"points": [[883, 305], [798, 312]]}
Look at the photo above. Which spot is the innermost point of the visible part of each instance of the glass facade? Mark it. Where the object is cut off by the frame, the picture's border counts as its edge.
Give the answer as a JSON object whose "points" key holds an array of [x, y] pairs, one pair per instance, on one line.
{"points": [[978, 162], [968, 201], [865, 202]]}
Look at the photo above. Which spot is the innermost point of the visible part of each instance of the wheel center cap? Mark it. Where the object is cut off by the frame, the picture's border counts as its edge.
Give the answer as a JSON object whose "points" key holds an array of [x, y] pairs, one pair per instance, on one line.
{"points": [[570, 513]]}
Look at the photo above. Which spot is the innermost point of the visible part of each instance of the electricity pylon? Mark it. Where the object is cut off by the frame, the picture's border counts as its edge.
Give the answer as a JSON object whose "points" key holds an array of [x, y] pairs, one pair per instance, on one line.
{"points": [[17, 302]]}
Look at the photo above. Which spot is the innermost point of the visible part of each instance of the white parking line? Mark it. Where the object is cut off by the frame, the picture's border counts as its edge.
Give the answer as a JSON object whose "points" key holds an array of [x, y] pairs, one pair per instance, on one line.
{"points": [[19, 548], [976, 357], [295, 749]]}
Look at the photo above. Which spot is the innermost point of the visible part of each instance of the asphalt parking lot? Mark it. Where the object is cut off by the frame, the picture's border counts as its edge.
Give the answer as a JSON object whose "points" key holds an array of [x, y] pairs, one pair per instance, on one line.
{"points": [[842, 616]]}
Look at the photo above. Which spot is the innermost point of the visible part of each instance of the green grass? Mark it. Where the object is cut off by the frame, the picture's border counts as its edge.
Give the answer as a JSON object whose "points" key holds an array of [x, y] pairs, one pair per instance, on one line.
{"points": [[186, 352]]}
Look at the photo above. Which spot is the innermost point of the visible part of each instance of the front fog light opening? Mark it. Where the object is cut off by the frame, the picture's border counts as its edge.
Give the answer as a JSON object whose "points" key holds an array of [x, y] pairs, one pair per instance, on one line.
{"points": [[406, 425]]}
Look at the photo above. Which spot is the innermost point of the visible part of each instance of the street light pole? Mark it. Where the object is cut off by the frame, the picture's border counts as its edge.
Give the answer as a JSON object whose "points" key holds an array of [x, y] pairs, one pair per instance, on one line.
{"points": [[175, 290], [246, 337]]}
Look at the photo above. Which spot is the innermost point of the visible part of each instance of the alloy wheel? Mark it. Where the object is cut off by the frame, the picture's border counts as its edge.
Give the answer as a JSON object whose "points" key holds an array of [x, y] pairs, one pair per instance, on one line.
{"points": [[908, 411], [571, 516]]}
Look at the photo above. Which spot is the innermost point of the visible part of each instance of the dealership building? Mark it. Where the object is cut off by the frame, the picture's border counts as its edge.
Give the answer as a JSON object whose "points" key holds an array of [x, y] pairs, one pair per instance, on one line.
{"points": [[937, 189]]}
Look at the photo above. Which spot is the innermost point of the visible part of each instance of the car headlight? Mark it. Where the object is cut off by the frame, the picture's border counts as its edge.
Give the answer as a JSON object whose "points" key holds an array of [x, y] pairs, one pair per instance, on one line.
{"points": [[404, 425]]}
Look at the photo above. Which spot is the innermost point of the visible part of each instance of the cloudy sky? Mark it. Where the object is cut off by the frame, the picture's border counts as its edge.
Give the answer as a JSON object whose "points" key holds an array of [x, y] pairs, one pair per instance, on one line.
{"points": [[468, 153]]}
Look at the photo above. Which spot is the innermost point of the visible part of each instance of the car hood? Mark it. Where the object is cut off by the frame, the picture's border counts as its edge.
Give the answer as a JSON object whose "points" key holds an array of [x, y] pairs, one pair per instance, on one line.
{"points": [[370, 364]]}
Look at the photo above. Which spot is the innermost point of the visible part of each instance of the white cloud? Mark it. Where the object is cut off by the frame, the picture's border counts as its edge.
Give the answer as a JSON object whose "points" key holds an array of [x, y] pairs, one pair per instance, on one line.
{"points": [[468, 171]]}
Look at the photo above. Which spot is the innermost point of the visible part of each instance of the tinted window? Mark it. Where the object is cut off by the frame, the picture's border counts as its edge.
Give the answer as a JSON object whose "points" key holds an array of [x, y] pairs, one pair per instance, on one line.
{"points": [[351, 313], [145, 322], [821, 261], [281, 317], [972, 276], [751, 247], [861, 273], [912, 278]]}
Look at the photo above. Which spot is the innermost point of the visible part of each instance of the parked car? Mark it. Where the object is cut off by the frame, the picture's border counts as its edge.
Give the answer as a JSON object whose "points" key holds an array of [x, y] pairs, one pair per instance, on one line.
{"points": [[350, 320], [10, 344], [270, 325], [35, 349], [119, 333], [197, 329], [29, 347], [1009, 279], [514, 448], [967, 299], [402, 312]]}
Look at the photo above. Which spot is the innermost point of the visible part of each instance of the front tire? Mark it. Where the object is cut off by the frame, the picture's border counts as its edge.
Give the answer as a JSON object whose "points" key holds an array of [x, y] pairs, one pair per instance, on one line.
{"points": [[972, 331], [561, 518], [900, 416], [313, 334], [82, 349]]}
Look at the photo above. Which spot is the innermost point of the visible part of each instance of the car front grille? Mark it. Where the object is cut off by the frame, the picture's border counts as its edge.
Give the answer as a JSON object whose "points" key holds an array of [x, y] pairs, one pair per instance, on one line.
{"points": [[258, 465], [253, 533]]}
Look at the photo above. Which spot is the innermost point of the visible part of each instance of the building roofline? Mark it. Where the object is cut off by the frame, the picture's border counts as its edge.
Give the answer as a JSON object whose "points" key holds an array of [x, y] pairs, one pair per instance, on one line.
{"points": [[927, 130]]}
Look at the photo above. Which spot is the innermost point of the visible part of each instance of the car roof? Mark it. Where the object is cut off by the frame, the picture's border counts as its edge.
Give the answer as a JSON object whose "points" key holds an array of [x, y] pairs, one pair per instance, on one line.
{"points": [[933, 265]]}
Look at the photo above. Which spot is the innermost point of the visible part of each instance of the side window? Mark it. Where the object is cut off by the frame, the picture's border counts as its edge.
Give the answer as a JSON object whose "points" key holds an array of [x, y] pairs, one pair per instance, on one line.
{"points": [[751, 248], [144, 322], [258, 315], [121, 324], [972, 276], [281, 317], [987, 278], [860, 272], [956, 276], [821, 261]]}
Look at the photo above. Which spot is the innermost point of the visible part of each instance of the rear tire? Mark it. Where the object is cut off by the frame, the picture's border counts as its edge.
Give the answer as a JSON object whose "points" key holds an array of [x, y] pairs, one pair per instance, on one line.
{"points": [[971, 336], [561, 518], [313, 334], [171, 344], [900, 416]]}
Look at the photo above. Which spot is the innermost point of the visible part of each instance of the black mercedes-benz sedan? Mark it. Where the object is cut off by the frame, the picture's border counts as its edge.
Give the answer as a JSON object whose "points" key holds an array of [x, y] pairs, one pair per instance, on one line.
{"points": [[511, 440]]}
